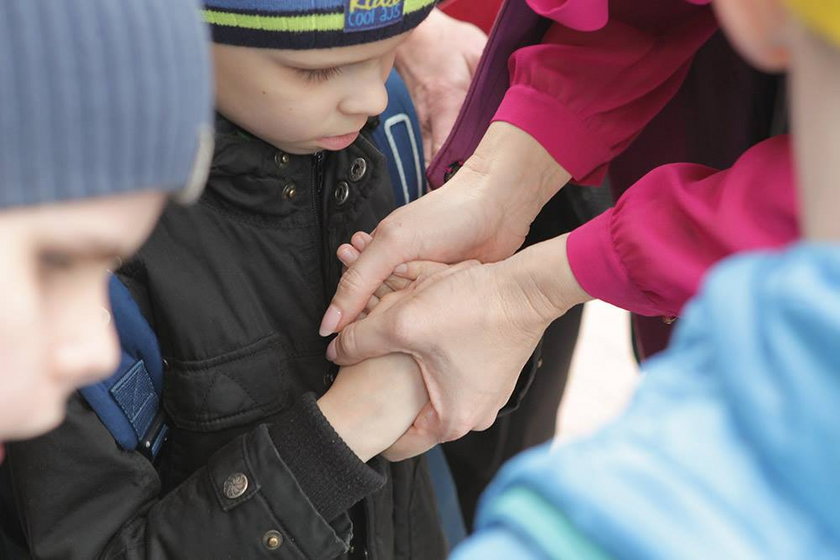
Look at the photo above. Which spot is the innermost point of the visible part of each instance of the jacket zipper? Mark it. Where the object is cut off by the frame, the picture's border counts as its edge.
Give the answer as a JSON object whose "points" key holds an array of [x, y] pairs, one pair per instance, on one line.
{"points": [[318, 205], [318, 172]]}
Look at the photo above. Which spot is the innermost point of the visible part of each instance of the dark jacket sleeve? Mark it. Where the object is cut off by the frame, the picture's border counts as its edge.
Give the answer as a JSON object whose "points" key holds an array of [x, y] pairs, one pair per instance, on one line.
{"points": [[80, 496]]}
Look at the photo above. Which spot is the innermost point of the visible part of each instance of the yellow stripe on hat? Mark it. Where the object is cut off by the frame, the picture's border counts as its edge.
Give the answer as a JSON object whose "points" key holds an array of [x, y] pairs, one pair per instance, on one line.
{"points": [[821, 15], [309, 22]]}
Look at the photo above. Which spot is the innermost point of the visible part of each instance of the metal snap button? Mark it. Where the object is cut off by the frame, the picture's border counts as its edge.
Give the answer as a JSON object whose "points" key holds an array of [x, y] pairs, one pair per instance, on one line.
{"points": [[342, 192], [272, 539], [289, 191], [358, 169], [235, 485], [282, 159]]}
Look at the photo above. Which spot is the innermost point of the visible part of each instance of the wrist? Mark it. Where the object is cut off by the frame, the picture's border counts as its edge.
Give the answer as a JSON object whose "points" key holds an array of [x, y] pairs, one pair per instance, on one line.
{"points": [[515, 170], [352, 425], [373, 403], [544, 278]]}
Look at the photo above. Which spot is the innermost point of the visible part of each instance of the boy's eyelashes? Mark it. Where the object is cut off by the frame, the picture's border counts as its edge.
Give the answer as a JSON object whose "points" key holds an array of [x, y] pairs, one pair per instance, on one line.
{"points": [[319, 74]]}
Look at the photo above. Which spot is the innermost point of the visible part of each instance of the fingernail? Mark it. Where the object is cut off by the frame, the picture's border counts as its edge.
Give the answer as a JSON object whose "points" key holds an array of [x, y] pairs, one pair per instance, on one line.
{"points": [[330, 321], [359, 241], [401, 269], [331, 353], [347, 256]]}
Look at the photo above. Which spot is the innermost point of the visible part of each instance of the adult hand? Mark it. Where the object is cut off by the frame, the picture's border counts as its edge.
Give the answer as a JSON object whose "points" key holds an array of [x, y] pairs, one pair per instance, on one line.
{"points": [[418, 439], [409, 273], [437, 63], [482, 213], [470, 328]]}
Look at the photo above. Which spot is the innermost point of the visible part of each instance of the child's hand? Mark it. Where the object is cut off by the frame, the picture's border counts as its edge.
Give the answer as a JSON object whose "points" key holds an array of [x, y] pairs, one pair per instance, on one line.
{"points": [[405, 275], [374, 403]]}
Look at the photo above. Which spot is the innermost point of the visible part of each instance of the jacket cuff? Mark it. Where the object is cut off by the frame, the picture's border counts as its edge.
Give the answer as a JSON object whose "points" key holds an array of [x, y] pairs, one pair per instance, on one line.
{"points": [[264, 506], [329, 473], [564, 135], [598, 268]]}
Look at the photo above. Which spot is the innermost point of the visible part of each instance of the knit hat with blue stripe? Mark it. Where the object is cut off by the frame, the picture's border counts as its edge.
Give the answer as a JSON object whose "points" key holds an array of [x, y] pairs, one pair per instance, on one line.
{"points": [[100, 97], [311, 24]]}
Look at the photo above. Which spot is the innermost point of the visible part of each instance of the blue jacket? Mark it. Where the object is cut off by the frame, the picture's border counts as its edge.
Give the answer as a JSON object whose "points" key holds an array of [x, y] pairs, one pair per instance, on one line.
{"points": [[730, 448]]}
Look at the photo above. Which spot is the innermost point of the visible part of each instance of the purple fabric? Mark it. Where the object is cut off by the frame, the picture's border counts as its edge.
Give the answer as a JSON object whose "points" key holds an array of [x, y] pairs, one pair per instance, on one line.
{"points": [[522, 27]]}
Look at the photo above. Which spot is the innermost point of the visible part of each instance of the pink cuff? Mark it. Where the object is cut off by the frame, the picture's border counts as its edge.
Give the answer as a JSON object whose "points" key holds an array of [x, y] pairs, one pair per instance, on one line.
{"points": [[599, 270], [558, 130]]}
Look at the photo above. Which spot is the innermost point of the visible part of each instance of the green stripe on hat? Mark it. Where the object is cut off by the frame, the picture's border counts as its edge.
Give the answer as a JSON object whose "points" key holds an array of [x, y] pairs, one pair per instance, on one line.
{"points": [[313, 22]]}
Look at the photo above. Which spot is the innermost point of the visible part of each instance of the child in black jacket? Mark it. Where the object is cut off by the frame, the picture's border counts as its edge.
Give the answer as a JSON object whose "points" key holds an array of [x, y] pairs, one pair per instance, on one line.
{"points": [[270, 446]]}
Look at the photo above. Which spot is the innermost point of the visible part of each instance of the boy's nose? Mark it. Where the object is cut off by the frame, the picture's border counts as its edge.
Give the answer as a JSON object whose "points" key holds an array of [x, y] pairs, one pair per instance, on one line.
{"points": [[367, 96], [90, 359], [90, 351]]}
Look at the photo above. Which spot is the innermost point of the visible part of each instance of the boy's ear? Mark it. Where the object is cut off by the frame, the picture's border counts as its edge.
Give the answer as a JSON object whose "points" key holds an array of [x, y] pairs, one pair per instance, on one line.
{"points": [[759, 29]]}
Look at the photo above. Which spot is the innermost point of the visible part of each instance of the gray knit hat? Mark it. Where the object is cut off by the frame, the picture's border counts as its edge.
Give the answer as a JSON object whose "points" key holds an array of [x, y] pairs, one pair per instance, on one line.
{"points": [[102, 97]]}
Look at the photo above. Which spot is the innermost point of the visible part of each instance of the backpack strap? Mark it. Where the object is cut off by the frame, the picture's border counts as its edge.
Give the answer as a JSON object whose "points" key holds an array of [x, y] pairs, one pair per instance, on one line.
{"points": [[129, 402], [398, 137]]}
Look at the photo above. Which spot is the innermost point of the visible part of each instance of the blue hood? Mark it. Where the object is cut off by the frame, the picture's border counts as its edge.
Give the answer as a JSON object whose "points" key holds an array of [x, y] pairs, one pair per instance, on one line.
{"points": [[731, 446]]}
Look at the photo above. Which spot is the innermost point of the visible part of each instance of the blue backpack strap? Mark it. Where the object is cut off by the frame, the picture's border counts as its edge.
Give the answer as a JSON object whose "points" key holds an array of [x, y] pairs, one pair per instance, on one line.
{"points": [[398, 137], [129, 402]]}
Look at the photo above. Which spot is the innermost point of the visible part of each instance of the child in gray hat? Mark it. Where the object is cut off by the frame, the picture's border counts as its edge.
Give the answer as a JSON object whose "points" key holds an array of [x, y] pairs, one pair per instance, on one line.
{"points": [[273, 452], [102, 108]]}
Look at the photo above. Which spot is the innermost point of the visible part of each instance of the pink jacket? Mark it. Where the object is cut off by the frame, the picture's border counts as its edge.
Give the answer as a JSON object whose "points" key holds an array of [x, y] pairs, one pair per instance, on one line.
{"points": [[597, 77]]}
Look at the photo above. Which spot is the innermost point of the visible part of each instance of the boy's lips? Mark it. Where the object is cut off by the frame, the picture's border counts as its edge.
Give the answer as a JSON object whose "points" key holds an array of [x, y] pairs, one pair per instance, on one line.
{"points": [[337, 142]]}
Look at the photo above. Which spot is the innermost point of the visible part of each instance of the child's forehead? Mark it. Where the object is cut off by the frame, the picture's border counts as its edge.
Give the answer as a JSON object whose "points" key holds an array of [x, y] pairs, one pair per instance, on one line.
{"points": [[337, 56]]}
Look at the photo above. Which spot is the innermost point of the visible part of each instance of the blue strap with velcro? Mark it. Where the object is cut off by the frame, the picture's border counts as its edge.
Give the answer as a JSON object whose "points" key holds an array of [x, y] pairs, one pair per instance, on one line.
{"points": [[129, 402]]}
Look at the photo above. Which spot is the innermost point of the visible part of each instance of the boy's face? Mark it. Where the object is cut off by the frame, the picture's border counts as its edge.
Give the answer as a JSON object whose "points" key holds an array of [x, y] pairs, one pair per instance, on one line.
{"points": [[304, 101], [55, 329]]}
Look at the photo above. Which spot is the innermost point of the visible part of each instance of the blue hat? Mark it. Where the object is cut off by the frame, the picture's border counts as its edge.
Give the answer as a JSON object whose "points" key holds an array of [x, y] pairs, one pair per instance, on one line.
{"points": [[311, 24], [101, 97]]}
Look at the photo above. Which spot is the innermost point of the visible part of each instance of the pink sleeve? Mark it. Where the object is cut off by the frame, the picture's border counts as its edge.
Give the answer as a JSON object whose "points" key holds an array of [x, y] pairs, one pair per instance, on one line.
{"points": [[650, 253], [584, 95]]}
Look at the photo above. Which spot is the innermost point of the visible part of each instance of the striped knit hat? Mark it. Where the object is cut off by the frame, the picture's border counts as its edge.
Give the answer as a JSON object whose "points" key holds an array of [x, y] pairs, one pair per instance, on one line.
{"points": [[100, 97], [311, 24]]}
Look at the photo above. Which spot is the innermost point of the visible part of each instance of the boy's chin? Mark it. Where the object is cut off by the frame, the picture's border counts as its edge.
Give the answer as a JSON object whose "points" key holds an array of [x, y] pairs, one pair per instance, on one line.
{"points": [[298, 149], [329, 143]]}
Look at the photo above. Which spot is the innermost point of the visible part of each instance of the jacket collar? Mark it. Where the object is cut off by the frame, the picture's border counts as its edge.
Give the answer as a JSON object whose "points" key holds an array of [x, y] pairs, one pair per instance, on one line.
{"points": [[258, 178], [252, 175], [238, 152]]}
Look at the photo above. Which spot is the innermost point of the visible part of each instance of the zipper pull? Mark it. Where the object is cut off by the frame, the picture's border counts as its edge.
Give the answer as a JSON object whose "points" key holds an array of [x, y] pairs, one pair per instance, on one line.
{"points": [[319, 172]]}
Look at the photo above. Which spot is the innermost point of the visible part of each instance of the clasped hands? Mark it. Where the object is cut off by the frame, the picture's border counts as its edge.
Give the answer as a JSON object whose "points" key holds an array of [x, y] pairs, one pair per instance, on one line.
{"points": [[470, 327]]}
